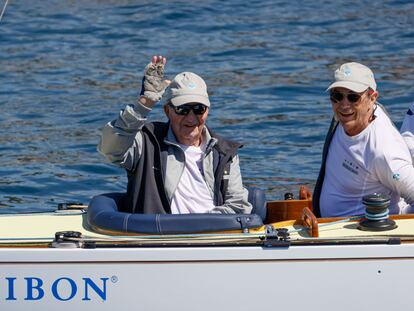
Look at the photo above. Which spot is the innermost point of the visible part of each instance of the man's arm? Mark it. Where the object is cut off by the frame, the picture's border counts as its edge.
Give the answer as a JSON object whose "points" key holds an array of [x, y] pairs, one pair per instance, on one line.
{"points": [[395, 170], [407, 129], [236, 197], [121, 139]]}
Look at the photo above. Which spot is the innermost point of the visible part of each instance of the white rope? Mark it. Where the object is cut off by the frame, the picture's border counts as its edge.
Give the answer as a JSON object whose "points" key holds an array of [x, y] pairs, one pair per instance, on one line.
{"points": [[4, 9]]}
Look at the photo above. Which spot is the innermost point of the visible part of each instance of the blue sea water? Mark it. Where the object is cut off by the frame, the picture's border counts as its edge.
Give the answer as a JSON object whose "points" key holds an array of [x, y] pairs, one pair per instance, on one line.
{"points": [[67, 67]]}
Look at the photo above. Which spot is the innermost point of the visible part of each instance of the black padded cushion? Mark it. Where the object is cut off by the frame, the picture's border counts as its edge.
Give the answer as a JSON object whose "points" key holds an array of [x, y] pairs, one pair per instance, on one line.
{"points": [[257, 198], [103, 214]]}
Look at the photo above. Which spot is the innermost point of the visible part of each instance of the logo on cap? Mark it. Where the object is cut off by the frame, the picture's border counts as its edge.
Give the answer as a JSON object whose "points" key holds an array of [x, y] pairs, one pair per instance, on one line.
{"points": [[347, 71], [187, 81]]}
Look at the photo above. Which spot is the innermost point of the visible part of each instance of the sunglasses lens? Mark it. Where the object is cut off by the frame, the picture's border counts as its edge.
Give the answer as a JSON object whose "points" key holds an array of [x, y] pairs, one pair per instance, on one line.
{"points": [[182, 110], [199, 109], [353, 98], [336, 96]]}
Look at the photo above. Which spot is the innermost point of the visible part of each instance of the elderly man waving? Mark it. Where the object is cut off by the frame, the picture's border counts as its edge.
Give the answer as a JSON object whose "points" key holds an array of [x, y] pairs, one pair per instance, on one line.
{"points": [[179, 166], [363, 153]]}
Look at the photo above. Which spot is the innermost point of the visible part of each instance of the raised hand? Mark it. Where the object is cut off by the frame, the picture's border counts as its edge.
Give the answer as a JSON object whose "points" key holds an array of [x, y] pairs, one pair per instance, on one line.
{"points": [[154, 85]]}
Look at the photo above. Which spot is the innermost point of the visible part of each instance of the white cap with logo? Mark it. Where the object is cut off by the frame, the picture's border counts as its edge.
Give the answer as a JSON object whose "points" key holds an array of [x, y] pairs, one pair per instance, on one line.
{"points": [[355, 77], [187, 87]]}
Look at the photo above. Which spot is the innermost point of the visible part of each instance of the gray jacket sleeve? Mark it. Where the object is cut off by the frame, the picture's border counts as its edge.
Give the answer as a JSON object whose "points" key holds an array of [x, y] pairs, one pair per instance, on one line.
{"points": [[236, 197], [121, 139]]}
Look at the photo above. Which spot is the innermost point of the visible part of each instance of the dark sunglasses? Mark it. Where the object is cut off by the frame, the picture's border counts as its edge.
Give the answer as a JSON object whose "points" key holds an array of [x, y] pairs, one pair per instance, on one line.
{"points": [[184, 110], [337, 96]]}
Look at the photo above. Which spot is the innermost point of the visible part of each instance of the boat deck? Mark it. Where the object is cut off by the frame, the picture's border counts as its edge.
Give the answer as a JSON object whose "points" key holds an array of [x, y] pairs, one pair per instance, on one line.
{"points": [[41, 228]]}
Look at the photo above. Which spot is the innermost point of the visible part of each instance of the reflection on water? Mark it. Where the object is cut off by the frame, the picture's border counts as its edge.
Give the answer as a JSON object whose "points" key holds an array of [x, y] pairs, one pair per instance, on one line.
{"points": [[69, 66]]}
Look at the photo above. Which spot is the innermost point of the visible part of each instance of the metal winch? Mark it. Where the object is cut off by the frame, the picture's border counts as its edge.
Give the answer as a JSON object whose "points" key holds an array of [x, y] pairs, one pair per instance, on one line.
{"points": [[376, 213]]}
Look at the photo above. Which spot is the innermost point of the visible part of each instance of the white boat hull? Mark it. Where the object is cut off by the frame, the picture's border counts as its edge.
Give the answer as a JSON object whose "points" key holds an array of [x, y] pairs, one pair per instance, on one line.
{"points": [[333, 276], [208, 278]]}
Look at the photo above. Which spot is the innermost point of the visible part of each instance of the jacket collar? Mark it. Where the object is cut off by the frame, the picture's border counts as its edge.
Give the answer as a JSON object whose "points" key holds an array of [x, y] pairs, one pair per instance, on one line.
{"points": [[206, 137]]}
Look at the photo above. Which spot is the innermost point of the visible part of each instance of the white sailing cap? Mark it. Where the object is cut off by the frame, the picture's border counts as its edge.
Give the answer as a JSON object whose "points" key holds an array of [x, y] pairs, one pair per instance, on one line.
{"points": [[187, 87], [355, 77]]}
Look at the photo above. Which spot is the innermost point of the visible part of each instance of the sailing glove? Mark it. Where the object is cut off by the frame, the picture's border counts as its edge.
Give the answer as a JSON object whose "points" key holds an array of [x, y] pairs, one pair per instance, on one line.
{"points": [[153, 83]]}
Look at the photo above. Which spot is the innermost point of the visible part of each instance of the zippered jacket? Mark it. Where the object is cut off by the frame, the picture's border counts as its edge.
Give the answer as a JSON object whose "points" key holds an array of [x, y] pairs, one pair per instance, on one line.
{"points": [[155, 162]]}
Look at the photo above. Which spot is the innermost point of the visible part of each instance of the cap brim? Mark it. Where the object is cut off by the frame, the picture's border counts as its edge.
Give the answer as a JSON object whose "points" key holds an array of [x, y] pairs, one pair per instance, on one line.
{"points": [[186, 99], [353, 86]]}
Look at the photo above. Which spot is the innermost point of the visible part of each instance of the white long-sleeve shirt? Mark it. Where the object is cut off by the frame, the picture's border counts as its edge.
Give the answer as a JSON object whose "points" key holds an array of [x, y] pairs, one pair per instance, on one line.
{"points": [[407, 129], [377, 160]]}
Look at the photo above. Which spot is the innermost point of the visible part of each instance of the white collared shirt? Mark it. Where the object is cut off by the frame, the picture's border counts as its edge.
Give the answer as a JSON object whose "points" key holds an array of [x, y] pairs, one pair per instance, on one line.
{"points": [[192, 194]]}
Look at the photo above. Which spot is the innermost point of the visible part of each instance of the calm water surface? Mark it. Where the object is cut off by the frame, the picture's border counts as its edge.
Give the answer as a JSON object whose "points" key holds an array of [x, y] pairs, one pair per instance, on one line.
{"points": [[67, 67]]}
